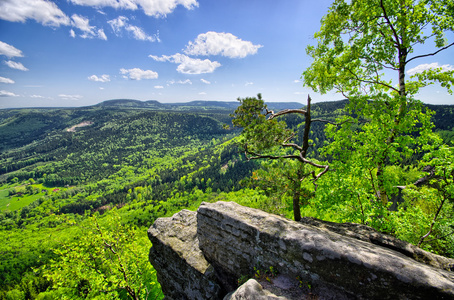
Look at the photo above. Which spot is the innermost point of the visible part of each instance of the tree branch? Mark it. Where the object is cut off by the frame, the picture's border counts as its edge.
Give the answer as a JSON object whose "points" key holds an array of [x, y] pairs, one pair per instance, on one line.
{"points": [[421, 240], [396, 36], [292, 145], [429, 54], [371, 81], [287, 111]]}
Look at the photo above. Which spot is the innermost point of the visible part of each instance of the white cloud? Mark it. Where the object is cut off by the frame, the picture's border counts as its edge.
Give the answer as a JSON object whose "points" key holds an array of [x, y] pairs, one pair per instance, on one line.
{"points": [[117, 24], [202, 93], [121, 23], [4, 93], [42, 11], [102, 35], [139, 74], [248, 83], [423, 67], [118, 4], [70, 97], [88, 32], [9, 51], [161, 8], [296, 81], [187, 81], [6, 80], [221, 43], [158, 87], [154, 8], [205, 81], [72, 33], [37, 96], [102, 78], [15, 65], [188, 65]]}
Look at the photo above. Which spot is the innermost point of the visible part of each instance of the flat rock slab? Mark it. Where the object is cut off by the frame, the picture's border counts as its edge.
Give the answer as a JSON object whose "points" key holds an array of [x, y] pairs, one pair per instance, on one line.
{"points": [[235, 239]]}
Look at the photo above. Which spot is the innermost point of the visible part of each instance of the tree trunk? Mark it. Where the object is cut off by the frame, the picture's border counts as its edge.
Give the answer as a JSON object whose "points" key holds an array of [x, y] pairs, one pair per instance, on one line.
{"points": [[296, 205]]}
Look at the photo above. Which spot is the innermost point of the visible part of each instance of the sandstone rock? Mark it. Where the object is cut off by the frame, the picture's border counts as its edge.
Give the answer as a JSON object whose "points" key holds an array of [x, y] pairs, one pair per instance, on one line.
{"points": [[201, 255], [182, 270], [368, 234], [252, 290], [234, 239]]}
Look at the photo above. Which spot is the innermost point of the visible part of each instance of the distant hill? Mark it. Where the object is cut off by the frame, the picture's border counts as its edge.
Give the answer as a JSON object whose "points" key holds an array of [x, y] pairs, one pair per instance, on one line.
{"points": [[196, 105]]}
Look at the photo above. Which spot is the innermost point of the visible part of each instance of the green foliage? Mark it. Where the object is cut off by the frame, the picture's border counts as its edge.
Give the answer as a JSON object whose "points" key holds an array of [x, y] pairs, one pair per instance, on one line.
{"points": [[430, 208], [357, 42], [264, 137], [107, 260]]}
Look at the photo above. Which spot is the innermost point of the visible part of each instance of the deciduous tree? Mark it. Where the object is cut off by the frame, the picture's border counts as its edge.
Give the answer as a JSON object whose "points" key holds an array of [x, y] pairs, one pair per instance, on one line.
{"points": [[364, 50]]}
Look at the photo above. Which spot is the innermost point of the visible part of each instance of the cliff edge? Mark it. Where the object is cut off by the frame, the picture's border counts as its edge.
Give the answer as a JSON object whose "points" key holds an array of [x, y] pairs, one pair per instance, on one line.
{"points": [[204, 254]]}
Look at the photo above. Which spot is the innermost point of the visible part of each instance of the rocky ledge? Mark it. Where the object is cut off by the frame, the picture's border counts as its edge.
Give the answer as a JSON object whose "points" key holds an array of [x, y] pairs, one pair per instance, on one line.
{"points": [[204, 254]]}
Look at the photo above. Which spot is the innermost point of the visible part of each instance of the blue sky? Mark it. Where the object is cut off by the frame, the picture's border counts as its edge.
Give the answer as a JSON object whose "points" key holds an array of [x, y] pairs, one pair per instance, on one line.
{"points": [[82, 52]]}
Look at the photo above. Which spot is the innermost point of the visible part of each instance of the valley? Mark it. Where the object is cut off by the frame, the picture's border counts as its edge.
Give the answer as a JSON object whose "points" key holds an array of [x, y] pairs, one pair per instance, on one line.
{"points": [[73, 180]]}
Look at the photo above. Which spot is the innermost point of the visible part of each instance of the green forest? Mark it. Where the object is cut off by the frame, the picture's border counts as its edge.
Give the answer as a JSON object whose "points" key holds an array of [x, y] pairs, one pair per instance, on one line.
{"points": [[79, 187], [76, 204]]}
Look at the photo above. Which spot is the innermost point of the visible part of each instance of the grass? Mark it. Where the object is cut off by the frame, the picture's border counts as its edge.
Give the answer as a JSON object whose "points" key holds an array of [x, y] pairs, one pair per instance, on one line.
{"points": [[17, 202]]}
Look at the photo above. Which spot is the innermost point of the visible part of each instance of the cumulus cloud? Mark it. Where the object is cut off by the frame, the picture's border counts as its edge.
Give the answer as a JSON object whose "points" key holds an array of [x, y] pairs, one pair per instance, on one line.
{"points": [[4, 93], [42, 11], [423, 67], [138, 74], [205, 81], [15, 65], [221, 43], [102, 78], [121, 23], [9, 51], [88, 32], [37, 96], [188, 65], [70, 97], [6, 80], [154, 8]]}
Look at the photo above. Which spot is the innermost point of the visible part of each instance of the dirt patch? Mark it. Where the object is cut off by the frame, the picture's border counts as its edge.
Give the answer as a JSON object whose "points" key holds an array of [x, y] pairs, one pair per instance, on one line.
{"points": [[83, 124]]}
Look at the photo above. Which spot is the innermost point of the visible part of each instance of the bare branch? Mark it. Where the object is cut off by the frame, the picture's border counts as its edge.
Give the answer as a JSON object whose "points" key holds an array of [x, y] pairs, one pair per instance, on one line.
{"points": [[326, 121], [289, 138], [288, 111], [430, 54], [292, 145], [421, 240]]}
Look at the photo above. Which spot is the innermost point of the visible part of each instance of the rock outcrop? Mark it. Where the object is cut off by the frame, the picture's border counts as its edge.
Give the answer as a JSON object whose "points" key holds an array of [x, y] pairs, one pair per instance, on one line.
{"points": [[180, 265], [202, 255]]}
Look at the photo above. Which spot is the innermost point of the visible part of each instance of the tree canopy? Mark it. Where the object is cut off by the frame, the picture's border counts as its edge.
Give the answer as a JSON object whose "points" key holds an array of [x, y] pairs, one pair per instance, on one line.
{"points": [[264, 137], [363, 51]]}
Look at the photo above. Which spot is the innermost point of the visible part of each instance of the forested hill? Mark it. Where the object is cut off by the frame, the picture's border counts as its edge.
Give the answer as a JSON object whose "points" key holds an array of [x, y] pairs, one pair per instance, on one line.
{"points": [[60, 167], [197, 105]]}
